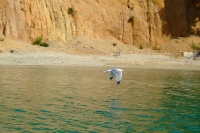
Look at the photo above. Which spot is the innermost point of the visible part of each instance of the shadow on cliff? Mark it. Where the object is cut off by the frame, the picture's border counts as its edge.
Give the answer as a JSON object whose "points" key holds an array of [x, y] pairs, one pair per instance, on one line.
{"points": [[180, 17], [193, 16]]}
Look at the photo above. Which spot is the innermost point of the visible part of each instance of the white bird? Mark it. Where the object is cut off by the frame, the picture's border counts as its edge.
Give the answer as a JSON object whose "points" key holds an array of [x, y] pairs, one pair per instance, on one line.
{"points": [[117, 72]]}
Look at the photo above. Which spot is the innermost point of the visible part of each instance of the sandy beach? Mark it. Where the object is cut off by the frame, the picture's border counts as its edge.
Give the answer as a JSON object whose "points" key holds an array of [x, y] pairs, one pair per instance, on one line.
{"points": [[83, 53], [128, 60]]}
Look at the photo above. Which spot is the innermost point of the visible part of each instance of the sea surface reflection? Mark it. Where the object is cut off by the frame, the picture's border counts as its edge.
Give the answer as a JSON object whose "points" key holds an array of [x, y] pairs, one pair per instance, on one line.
{"points": [[83, 99]]}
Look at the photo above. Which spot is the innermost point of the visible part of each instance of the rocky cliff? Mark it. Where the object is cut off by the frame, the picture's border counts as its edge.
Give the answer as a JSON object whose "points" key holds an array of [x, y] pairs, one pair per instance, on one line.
{"points": [[153, 21]]}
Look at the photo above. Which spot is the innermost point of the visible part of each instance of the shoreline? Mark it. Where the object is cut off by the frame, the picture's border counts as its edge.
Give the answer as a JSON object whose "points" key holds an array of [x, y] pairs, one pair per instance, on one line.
{"points": [[83, 51], [153, 61]]}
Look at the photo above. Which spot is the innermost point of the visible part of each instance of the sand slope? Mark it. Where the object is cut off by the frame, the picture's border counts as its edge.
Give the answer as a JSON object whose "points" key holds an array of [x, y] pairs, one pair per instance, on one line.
{"points": [[83, 52]]}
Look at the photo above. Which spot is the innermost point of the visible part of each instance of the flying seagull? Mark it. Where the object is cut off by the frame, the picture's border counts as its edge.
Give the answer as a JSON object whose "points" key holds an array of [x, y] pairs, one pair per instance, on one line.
{"points": [[117, 72]]}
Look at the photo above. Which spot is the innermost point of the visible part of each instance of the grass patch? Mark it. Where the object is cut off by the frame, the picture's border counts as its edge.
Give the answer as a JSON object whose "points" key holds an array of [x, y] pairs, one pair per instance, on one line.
{"points": [[131, 8], [155, 47], [114, 44], [44, 44], [194, 46], [71, 11], [38, 41], [131, 19], [140, 47], [2, 39]]}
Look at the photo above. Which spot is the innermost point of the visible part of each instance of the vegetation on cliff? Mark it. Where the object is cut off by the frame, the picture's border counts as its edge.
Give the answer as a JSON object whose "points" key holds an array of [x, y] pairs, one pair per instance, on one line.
{"points": [[38, 41]]}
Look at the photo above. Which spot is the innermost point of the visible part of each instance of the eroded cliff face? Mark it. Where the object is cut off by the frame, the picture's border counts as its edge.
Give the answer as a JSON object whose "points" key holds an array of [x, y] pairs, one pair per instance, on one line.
{"points": [[28, 19], [155, 21]]}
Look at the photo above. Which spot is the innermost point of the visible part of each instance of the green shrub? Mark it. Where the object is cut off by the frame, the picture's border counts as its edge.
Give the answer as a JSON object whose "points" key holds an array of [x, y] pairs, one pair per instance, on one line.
{"points": [[44, 44], [114, 44], [2, 39], [71, 11], [131, 19], [141, 47], [194, 46], [38, 41]]}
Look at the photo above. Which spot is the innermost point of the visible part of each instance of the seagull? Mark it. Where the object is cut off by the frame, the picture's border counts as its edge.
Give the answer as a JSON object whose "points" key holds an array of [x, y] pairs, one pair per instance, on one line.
{"points": [[117, 72]]}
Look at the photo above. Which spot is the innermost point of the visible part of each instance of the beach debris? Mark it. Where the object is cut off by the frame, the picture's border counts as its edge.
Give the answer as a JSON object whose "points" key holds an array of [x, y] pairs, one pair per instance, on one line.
{"points": [[190, 55], [117, 54]]}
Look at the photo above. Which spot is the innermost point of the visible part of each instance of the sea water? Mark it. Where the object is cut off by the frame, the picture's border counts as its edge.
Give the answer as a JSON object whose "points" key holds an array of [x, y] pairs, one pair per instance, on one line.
{"points": [[63, 99]]}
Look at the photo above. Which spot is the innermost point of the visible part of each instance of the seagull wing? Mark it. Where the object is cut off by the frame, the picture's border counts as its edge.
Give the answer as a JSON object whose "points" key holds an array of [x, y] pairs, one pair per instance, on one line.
{"points": [[118, 73], [111, 75]]}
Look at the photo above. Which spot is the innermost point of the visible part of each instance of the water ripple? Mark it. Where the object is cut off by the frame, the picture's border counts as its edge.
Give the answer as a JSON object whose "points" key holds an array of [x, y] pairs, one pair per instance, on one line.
{"points": [[59, 99]]}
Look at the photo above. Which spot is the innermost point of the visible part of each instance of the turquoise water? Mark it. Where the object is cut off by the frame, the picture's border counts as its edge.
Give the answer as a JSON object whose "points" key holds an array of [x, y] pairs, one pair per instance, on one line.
{"points": [[62, 99]]}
